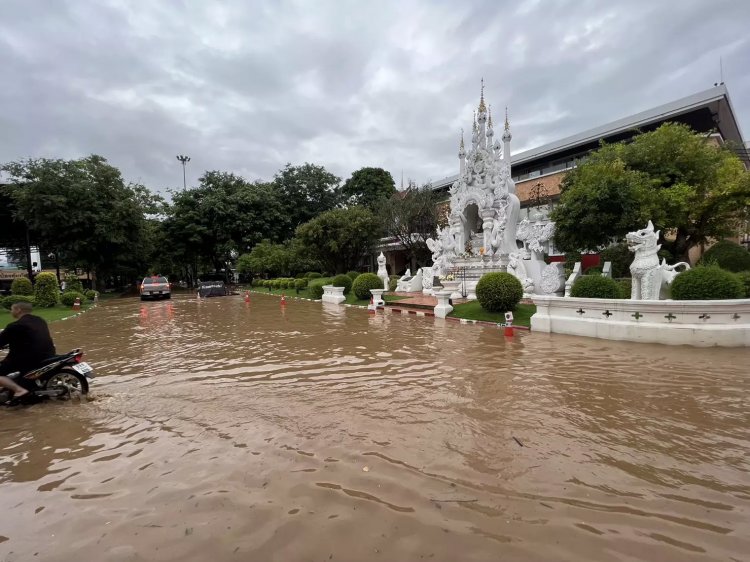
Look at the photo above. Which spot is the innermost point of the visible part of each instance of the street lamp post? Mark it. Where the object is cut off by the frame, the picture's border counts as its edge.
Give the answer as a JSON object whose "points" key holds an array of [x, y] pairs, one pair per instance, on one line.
{"points": [[184, 160]]}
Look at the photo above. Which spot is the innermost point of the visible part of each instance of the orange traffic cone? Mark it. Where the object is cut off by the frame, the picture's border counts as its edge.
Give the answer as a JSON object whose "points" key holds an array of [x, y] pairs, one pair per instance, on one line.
{"points": [[247, 296], [77, 304], [283, 300], [509, 330]]}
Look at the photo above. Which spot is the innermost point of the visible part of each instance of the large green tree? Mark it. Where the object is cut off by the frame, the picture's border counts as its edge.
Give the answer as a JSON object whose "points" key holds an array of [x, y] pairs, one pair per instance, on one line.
{"points": [[411, 217], [83, 212], [692, 190], [368, 187], [305, 192], [339, 238], [223, 214]]}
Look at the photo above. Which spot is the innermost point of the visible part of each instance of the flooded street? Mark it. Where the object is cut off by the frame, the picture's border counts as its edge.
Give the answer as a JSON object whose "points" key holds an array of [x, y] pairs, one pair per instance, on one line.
{"points": [[226, 431]]}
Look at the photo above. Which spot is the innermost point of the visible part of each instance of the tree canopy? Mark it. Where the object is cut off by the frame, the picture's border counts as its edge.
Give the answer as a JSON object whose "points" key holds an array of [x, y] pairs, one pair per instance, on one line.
{"points": [[411, 216], [339, 238], [305, 192], [82, 211], [692, 190], [368, 187]]}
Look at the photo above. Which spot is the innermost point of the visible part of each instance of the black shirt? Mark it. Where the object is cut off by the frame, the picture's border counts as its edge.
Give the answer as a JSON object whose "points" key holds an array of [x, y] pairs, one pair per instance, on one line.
{"points": [[30, 342]]}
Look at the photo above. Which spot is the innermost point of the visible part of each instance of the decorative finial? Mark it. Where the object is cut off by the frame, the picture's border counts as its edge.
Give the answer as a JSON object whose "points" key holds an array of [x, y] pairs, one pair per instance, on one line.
{"points": [[482, 107], [461, 146], [475, 121], [489, 111], [506, 134]]}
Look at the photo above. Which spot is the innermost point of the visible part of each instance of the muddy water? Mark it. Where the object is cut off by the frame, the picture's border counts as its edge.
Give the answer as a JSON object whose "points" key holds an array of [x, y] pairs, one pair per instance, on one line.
{"points": [[226, 431]]}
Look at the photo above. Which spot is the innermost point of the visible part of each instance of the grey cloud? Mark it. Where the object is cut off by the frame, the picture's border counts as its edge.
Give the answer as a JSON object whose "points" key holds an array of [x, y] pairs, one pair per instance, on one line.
{"points": [[249, 86]]}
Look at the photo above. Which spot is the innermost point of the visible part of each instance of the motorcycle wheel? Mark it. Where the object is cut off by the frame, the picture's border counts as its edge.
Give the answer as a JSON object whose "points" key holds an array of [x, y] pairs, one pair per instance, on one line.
{"points": [[68, 378]]}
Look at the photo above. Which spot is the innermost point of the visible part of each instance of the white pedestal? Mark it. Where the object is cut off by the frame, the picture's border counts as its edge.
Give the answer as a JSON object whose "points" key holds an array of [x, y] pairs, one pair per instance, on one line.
{"points": [[442, 309], [333, 294], [377, 297]]}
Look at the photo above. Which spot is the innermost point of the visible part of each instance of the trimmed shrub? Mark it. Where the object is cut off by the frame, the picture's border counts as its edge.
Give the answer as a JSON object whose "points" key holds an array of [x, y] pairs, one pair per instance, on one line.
{"points": [[727, 255], [46, 291], [594, 271], [364, 282], [73, 284], [9, 301], [626, 287], [343, 281], [596, 287], [276, 284], [283, 283], [353, 274], [707, 283], [300, 276], [68, 298], [299, 284], [315, 288], [313, 275], [499, 292], [744, 276], [21, 286], [620, 257], [91, 294], [392, 283]]}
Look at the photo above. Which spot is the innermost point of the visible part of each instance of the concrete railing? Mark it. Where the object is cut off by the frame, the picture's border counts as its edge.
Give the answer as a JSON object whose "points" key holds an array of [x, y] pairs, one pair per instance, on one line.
{"points": [[698, 323]]}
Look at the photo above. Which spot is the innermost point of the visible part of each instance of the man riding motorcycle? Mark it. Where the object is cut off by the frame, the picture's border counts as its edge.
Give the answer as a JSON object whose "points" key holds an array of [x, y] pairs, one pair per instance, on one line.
{"points": [[30, 344]]}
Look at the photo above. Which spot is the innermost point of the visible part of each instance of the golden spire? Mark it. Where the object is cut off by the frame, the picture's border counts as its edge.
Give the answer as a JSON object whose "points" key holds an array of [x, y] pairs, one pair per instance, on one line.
{"points": [[482, 107], [507, 125]]}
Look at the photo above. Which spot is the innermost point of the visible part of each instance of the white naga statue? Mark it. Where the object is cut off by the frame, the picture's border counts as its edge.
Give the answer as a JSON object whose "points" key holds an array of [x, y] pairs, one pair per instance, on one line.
{"points": [[649, 276], [382, 271]]}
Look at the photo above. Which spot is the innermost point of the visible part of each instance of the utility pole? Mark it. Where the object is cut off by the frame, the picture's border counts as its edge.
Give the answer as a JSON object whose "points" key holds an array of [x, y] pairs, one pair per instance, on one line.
{"points": [[184, 160]]}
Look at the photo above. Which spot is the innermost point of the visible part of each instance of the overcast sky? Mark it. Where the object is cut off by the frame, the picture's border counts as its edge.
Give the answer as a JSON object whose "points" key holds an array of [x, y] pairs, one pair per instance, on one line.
{"points": [[248, 86]]}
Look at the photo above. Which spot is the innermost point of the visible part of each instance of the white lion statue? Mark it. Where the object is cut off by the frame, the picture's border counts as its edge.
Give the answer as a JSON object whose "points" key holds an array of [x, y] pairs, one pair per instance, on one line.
{"points": [[649, 276]]}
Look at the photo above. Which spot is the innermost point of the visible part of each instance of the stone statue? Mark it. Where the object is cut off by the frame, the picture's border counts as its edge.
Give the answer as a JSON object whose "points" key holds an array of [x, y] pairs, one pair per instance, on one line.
{"points": [[649, 276], [517, 269], [382, 271]]}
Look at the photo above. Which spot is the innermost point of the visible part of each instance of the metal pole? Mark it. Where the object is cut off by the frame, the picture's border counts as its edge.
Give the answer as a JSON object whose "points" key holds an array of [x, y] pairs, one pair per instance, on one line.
{"points": [[184, 160]]}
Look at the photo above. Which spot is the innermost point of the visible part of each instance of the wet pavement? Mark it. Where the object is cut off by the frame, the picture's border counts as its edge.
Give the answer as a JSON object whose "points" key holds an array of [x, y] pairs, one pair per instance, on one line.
{"points": [[227, 431]]}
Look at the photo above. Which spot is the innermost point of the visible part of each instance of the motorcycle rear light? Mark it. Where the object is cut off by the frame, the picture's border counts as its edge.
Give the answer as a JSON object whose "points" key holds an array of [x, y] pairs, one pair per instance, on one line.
{"points": [[78, 357]]}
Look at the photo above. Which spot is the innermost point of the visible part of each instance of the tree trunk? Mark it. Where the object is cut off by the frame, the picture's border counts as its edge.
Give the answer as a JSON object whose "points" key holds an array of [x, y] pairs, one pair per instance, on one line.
{"points": [[29, 268]]}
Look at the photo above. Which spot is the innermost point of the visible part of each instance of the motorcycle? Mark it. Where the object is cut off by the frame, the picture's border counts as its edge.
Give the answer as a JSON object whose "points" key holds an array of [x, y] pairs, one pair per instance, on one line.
{"points": [[61, 377]]}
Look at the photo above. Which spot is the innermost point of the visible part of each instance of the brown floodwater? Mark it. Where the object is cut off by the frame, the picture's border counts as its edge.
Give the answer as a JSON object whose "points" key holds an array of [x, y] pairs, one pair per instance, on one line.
{"points": [[226, 431]]}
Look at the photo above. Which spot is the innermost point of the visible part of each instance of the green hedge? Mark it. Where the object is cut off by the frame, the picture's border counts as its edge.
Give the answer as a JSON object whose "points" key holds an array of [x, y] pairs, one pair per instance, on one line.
{"points": [[9, 301], [727, 255], [73, 284], [300, 284], [91, 294], [68, 298], [596, 287], [21, 286], [364, 282], [313, 275], [707, 283], [744, 276], [393, 282], [315, 288], [353, 274], [499, 292], [46, 291], [626, 287], [343, 281]]}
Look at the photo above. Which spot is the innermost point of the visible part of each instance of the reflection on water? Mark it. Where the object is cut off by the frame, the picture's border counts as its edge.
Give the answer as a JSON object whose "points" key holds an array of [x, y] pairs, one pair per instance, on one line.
{"points": [[225, 430]]}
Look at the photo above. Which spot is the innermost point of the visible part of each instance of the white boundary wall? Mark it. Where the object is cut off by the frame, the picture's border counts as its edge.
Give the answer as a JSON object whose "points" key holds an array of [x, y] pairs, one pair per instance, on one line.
{"points": [[723, 323]]}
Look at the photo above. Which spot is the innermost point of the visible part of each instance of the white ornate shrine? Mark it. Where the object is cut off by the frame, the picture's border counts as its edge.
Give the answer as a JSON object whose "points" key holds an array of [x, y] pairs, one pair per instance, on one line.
{"points": [[483, 232]]}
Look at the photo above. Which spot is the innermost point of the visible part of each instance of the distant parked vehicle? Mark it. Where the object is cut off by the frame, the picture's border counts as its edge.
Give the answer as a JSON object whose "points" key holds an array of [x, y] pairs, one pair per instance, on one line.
{"points": [[212, 289], [156, 287]]}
